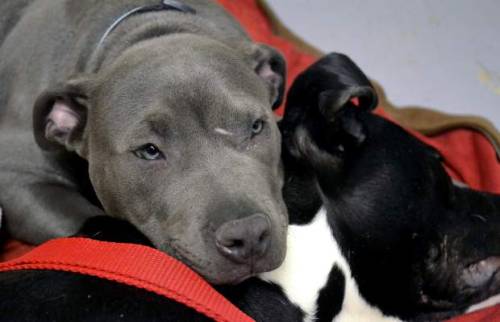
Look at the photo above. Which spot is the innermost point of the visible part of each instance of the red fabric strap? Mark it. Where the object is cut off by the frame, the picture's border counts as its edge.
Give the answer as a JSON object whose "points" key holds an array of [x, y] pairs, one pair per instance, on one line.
{"points": [[134, 265]]}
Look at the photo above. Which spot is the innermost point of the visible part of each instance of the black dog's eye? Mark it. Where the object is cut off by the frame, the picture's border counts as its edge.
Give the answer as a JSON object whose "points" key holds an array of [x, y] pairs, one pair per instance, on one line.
{"points": [[257, 127], [149, 152]]}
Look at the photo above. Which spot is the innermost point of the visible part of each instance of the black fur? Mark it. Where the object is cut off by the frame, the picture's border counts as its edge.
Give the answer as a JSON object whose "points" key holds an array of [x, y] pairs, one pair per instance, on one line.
{"points": [[262, 301], [331, 297], [409, 235], [61, 296]]}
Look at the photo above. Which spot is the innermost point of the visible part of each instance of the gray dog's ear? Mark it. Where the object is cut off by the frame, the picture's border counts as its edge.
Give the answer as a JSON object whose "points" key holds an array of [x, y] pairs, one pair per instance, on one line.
{"points": [[60, 117], [271, 67]]}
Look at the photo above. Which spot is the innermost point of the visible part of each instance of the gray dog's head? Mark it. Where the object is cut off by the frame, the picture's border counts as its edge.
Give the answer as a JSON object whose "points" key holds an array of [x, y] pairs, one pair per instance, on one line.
{"points": [[181, 141]]}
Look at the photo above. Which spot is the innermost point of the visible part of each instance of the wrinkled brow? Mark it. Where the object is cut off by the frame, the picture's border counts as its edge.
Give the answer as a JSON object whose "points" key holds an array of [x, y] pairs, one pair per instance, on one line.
{"points": [[158, 124]]}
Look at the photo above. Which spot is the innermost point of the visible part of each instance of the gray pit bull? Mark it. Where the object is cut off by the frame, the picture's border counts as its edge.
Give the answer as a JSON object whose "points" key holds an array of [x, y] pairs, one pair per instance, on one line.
{"points": [[157, 113]]}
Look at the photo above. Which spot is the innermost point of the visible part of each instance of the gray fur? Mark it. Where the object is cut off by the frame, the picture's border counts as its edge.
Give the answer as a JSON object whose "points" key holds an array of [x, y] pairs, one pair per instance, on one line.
{"points": [[166, 78]]}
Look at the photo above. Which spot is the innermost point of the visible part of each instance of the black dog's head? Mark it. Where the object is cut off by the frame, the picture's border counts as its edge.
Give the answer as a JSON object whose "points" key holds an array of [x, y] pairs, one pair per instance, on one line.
{"points": [[418, 245]]}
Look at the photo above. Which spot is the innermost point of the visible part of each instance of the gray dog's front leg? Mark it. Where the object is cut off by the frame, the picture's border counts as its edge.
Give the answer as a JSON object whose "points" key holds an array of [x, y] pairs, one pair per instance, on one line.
{"points": [[40, 211]]}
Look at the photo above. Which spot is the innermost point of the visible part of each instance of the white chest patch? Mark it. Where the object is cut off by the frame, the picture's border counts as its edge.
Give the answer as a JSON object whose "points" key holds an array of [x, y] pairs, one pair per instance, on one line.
{"points": [[312, 252]]}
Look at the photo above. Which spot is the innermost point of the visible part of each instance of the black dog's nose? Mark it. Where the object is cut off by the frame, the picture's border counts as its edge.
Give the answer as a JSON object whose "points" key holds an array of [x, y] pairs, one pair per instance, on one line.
{"points": [[244, 240]]}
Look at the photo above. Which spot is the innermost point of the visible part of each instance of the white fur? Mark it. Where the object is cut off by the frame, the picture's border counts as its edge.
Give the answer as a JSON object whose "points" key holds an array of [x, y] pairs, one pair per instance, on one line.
{"points": [[223, 132], [311, 253]]}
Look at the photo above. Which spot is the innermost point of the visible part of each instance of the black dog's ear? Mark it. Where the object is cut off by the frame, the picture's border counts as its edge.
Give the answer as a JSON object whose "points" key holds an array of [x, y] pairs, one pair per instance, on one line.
{"points": [[333, 100], [338, 81], [325, 88], [60, 117], [322, 102], [270, 65]]}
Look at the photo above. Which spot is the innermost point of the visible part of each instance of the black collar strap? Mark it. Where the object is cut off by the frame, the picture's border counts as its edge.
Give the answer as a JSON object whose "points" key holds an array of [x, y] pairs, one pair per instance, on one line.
{"points": [[163, 5]]}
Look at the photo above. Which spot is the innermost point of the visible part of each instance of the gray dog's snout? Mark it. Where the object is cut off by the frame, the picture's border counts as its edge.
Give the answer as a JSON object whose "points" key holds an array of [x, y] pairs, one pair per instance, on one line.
{"points": [[245, 240]]}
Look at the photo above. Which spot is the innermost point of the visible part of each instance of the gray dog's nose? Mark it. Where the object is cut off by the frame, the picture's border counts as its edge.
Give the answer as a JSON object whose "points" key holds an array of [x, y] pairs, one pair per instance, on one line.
{"points": [[244, 240]]}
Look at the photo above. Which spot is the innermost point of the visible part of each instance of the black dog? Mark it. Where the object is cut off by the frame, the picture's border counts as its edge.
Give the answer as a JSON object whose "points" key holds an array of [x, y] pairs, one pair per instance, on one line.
{"points": [[378, 230]]}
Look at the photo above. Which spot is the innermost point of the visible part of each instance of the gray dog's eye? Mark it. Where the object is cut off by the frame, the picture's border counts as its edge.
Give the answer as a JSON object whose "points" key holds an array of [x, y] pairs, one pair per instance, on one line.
{"points": [[257, 127], [149, 152]]}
